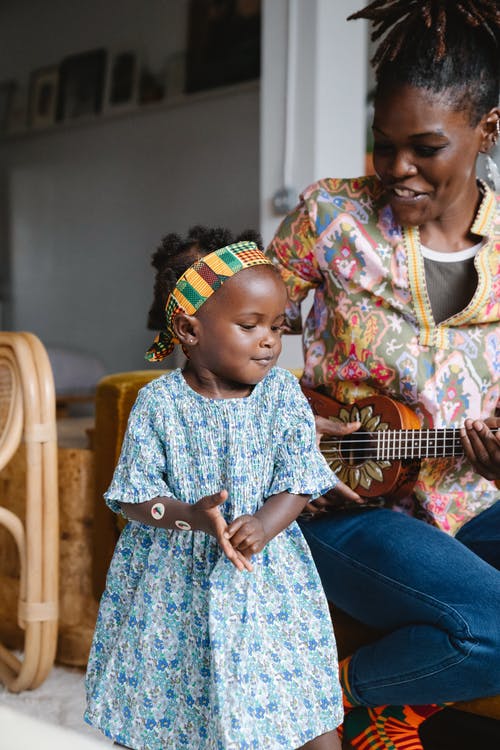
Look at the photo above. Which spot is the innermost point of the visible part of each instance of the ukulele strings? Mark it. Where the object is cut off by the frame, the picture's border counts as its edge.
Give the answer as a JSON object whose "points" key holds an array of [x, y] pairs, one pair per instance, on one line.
{"points": [[432, 439], [449, 433]]}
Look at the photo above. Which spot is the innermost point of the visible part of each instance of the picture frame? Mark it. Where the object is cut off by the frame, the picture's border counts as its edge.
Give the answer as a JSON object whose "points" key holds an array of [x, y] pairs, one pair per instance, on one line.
{"points": [[43, 94], [81, 85], [224, 44], [175, 75], [17, 118], [121, 92], [152, 87], [7, 91]]}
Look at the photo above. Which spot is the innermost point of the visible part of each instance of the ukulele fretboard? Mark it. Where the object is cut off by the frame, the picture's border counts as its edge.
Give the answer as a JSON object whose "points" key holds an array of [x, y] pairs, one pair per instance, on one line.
{"points": [[394, 445]]}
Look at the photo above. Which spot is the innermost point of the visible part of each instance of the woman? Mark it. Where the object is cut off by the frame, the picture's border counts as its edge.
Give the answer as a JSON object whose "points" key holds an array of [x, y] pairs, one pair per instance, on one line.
{"points": [[405, 267]]}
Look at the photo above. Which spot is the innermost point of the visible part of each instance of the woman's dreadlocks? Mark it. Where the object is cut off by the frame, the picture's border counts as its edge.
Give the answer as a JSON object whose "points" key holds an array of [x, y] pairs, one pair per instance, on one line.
{"points": [[447, 46]]}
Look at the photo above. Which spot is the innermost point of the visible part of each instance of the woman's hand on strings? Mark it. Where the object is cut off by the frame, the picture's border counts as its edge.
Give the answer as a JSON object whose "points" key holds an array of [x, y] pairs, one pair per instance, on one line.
{"points": [[341, 495], [207, 517], [481, 444], [326, 426]]}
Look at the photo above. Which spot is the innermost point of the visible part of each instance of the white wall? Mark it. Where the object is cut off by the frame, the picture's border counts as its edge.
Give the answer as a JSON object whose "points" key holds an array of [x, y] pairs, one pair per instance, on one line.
{"points": [[313, 54], [83, 208], [317, 60]]}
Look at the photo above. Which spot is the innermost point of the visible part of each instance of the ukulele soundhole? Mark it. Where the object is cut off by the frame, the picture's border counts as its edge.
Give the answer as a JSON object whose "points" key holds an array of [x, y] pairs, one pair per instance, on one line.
{"points": [[382, 458], [358, 448], [354, 458]]}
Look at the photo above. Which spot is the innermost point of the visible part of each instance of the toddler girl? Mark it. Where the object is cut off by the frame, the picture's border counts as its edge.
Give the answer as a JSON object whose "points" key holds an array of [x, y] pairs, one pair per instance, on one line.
{"points": [[213, 631]]}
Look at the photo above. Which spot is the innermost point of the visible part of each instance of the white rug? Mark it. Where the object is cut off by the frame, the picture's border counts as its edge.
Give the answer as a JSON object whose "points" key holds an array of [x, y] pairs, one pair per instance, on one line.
{"points": [[50, 717]]}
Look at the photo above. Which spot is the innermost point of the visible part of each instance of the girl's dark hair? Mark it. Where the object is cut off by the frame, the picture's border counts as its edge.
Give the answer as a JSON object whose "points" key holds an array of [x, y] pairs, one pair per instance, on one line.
{"points": [[451, 47], [174, 256]]}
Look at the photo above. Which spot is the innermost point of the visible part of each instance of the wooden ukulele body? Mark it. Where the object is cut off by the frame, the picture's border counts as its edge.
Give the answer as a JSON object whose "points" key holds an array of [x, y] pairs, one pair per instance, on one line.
{"points": [[353, 458]]}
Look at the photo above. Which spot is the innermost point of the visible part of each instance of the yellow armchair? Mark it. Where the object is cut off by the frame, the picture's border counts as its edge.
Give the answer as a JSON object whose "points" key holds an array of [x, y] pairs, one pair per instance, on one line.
{"points": [[115, 397]]}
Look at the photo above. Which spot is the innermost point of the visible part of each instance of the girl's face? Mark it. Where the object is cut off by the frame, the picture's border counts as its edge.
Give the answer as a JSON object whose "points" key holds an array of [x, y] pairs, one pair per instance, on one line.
{"points": [[237, 332], [425, 155]]}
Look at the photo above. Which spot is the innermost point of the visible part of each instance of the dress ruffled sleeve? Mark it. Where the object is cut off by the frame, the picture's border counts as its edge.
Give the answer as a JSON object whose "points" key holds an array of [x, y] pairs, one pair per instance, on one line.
{"points": [[299, 466], [140, 474]]}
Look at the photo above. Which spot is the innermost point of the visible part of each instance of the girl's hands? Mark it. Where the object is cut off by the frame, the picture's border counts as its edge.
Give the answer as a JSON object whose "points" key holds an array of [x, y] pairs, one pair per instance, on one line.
{"points": [[206, 516], [482, 446], [247, 535]]}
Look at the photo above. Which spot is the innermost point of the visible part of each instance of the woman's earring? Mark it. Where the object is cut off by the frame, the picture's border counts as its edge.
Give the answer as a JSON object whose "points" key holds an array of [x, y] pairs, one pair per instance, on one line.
{"points": [[493, 173], [491, 167]]}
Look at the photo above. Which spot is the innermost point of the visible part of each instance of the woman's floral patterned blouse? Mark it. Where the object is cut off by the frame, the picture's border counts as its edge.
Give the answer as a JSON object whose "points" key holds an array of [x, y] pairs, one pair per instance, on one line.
{"points": [[371, 330]]}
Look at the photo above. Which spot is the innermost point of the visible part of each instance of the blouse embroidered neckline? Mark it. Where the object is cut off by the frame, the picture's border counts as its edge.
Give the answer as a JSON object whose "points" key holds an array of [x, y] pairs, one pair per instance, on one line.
{"points": [[430, 333]]}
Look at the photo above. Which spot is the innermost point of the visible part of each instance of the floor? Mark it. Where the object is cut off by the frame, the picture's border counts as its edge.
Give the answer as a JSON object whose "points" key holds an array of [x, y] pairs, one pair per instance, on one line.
{"points": [[49, 717]]}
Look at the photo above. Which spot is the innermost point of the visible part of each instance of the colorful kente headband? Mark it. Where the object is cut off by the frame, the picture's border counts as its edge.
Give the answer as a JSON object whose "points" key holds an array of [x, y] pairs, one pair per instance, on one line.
{"points": [[198, 283]]}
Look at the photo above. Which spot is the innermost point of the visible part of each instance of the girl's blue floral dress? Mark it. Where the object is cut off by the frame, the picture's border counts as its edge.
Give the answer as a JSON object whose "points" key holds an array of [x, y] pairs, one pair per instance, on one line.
{"points": [[188, 652]]}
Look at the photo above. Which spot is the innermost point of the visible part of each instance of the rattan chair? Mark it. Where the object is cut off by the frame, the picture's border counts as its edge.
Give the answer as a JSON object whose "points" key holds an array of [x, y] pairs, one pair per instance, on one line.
{"points": [[27, 413]]}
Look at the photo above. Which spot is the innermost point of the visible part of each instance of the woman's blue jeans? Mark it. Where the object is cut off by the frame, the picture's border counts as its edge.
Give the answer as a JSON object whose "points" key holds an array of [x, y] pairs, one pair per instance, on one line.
{"points": [[437, 598]]}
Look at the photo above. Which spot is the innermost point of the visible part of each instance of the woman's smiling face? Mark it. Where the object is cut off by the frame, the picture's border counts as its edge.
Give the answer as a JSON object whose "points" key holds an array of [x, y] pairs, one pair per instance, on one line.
{"points": [[425, 155]]}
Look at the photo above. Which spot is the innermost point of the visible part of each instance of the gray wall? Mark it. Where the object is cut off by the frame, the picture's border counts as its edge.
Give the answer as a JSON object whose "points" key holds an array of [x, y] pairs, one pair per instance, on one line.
{"points": [[83, 207]]}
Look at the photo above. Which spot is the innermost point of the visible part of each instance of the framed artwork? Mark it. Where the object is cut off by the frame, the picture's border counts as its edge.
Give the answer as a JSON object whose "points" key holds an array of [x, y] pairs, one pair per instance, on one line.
{"points": [[44, 84], [7, 91], [81, 85], [176, 75], [151, 87], [223, 43], [17, 117], [122, 81]]}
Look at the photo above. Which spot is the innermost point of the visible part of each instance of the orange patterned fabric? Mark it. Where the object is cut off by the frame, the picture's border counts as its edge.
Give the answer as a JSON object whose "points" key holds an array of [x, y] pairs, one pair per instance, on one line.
{"points": [[380, 727], [386, 727]]}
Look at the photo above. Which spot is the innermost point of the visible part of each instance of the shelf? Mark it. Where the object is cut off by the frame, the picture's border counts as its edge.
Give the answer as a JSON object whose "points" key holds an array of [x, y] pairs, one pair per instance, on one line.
{"points": [[105, 118]]}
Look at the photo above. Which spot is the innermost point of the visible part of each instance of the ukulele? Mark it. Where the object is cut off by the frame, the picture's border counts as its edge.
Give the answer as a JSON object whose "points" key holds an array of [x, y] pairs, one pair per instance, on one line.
{"points": [[383, 456]]}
